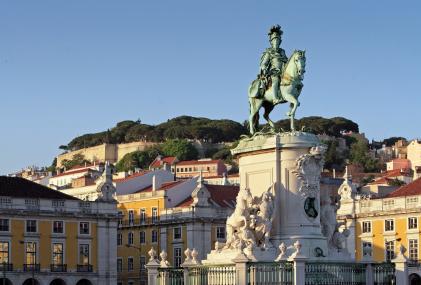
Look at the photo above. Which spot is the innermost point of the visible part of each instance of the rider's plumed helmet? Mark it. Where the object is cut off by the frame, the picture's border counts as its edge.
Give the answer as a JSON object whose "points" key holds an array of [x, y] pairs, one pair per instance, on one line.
{"points": [[275, 32]]}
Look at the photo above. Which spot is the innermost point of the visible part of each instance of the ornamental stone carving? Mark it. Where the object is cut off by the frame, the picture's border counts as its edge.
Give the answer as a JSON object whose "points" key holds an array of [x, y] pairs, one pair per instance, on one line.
{"points": [[250, 224], [308, 169]]}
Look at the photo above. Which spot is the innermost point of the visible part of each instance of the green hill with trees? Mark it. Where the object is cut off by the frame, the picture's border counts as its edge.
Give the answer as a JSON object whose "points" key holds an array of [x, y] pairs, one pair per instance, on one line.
{"points": [[196, 128]]}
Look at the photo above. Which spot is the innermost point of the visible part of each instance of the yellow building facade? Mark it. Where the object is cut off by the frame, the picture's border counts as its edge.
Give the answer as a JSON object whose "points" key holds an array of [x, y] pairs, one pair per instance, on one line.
{"points": [[170, 218], [47, 237], [380, 227]]}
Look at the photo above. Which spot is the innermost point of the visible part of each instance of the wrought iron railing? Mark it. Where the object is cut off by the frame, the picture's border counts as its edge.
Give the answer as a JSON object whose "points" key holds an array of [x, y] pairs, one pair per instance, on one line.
{"points": [[324, 273], [212, 275], [270, 273], [384, 273], [58, 267], [6, 267], [170, 276], [84, 268], [31, 267]]}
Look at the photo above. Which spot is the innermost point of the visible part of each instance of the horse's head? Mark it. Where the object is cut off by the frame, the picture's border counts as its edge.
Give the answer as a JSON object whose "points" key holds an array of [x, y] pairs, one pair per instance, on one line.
{"points": [[299, 59]]}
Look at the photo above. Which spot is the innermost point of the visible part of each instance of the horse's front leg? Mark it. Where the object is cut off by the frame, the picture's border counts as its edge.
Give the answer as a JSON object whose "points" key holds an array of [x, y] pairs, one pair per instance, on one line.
{"points": [[288, 94]]}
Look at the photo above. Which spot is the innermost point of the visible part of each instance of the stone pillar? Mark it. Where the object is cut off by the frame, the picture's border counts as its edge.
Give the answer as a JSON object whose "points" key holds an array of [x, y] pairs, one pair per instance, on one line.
{"points": [[152, 268], [299, 264], [241, 269], [107, 259]]}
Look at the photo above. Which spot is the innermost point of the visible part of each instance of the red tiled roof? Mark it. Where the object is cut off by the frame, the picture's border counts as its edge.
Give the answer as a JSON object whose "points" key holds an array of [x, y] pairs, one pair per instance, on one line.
{"points": [[196, 162], [158, 162], [22, 188], [411, 189], [222, 195], [165, 186], [398, 172], [72, 172], [137, 174], [382, 180]]}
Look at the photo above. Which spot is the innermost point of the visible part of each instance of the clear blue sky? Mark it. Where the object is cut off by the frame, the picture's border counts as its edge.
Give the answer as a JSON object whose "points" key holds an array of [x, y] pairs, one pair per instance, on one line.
{"points": [[73, 67]]}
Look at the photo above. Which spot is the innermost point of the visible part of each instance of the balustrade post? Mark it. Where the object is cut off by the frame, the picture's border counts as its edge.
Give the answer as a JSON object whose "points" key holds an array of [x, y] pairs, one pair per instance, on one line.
{"points": [[401, 270], [299, 264], [152, 268], [241, 269]]}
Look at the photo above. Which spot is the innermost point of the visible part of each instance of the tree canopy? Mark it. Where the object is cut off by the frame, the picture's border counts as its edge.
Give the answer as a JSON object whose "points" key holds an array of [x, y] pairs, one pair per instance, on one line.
{"points": [[183, 127], [319, 125]]}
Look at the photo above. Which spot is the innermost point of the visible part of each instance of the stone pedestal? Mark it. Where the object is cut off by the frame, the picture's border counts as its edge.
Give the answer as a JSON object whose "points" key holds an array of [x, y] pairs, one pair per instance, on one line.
{"points": [[290, 164]]}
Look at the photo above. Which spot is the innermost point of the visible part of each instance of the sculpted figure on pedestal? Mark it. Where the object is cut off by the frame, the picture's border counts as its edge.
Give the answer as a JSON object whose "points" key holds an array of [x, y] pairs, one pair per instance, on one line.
{"points": [[279, 81], [250, 224]]}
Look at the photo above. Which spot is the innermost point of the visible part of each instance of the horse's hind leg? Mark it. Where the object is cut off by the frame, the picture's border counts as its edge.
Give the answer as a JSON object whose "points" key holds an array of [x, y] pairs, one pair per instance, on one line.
{"points": [[268, 108]]}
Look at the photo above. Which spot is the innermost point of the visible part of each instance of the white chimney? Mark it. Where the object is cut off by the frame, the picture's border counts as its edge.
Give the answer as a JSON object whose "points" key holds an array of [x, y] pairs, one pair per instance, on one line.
{"points": [[154, 184]]}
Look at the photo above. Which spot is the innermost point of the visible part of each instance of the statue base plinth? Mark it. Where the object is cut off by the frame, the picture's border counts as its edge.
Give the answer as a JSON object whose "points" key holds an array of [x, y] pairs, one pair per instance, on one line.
{"points": [[226, 256], [290, 164]]}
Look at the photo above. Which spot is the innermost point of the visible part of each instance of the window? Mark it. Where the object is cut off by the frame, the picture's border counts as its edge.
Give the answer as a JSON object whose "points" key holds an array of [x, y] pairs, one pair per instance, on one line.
{"points": [[31, 226], [220, 232], [120, 218], [58, 227], [142, 237], [154, 215], [58, 254], [130, 238], [4, 252], [119, 265], [4, 225], [190, 170], [31, 252], [177, 256], [413, 249], [119, 239], [367, 227], [390, 250], [177, 233], [142, 263], [389, 225], [142, 215], [83, 254], [84, 228], [367, 244], [154, 236], [131, 217], [412, 223], [130, 264]]}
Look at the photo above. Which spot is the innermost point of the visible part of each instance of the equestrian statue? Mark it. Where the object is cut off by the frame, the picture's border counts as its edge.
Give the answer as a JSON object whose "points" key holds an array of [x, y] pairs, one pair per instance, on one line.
{"points": [[279, 81]]}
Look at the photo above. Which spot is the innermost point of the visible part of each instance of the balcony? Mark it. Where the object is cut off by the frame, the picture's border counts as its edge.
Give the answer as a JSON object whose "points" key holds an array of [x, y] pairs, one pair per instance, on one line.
{"points": [[84, 268], [139, 222], [58, 267], [6, 267], [31, 267]]}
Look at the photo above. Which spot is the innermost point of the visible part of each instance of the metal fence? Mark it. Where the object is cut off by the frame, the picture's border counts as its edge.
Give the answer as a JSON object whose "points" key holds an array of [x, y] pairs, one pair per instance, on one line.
{"points": [[384, 273], [170, 276], [212, 275], [280, 273], [322, 273], [270, 273]]}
